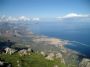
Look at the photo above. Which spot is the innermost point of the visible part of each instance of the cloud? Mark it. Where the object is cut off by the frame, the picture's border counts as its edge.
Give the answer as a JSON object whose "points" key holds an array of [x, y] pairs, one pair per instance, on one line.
{"points": [[24, 18], [74, 17], [17, 18], [36, 19]]}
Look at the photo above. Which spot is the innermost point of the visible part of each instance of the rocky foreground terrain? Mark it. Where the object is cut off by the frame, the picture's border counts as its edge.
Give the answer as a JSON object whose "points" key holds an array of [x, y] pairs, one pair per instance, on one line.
{"points": [[21, 48]]}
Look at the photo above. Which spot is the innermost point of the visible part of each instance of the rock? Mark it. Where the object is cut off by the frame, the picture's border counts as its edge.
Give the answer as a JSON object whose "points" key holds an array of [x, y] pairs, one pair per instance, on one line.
{"points": [[42, 53], [23, 52], [55, 65], [58, 55], [50, 56], [29, 49], [84, 63], [1, 63], [9, 50]]}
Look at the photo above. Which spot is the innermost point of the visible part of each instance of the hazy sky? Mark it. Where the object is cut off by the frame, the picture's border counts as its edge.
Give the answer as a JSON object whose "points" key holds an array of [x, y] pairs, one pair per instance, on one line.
{"points": [[43, 8]]}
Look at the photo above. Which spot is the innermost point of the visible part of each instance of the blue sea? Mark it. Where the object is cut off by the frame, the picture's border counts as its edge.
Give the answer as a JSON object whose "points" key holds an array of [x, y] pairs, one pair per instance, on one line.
{"points": [[76, 32]]}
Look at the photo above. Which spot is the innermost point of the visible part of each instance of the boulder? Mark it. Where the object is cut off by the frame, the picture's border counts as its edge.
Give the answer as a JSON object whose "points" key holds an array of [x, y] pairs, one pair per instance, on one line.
{"points": [[42, 53], [50, 56], [23, 52], [84, 63]]}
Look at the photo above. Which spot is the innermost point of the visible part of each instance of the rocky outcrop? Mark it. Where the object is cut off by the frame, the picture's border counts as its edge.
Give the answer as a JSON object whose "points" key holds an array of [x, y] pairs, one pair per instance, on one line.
{"points": [[50, 56], [24, 52], [59, 56], [20, 52], [85, 63], [9, 50]]}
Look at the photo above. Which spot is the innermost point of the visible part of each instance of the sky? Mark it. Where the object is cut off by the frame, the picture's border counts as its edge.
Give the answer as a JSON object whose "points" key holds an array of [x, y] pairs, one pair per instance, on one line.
{"points": [[43, 8]]}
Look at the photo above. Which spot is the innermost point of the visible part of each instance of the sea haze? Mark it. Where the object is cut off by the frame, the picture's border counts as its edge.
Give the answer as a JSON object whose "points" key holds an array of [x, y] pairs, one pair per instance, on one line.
{"points": [[77, 32]]}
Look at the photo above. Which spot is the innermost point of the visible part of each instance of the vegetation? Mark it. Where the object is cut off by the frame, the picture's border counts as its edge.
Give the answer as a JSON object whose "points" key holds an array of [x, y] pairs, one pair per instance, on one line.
{"points": [[33, 60]]}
